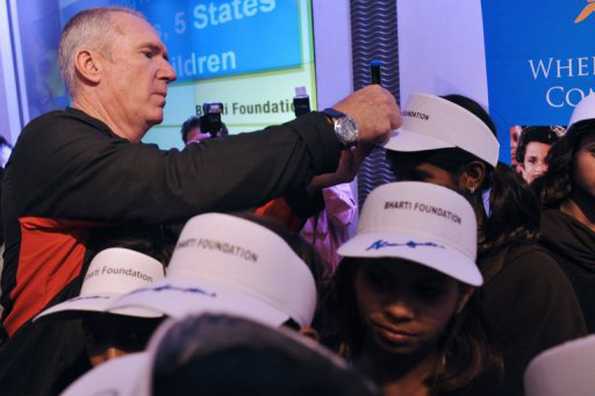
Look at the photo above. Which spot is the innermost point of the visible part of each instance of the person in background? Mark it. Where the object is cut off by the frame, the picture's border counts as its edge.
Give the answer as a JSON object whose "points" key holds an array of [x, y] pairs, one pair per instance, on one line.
{"points": [[85, 167], [225, 355], [534, 144], [192, 133], [567, 193], [528, 301], [405, 292]]}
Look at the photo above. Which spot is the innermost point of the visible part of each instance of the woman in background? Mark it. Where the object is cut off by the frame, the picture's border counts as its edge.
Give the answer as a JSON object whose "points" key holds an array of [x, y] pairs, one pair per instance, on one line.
{"points": [[567, 193]]}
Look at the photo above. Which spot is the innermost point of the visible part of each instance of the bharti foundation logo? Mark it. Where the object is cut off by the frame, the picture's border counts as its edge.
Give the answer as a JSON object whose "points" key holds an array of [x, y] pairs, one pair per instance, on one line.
{"points": [[586, 12]]}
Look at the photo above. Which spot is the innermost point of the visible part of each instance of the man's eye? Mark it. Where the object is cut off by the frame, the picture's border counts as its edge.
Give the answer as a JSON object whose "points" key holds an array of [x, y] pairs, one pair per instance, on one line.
{"points": [[148, 54]]}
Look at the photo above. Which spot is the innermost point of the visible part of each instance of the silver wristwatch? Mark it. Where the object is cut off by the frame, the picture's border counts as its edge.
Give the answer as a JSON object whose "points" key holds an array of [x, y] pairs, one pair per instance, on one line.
{"points": [[345, 127]]}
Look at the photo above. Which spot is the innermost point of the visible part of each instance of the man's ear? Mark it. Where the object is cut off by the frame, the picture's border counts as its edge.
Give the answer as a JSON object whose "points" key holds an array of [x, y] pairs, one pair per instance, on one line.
{"points": [[88, 65], [472, 176], [466, 293]]}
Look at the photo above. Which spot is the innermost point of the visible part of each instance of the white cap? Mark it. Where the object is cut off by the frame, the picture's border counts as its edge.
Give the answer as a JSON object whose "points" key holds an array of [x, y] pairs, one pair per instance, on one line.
{"points": [[564, 370], [421, 222], [226, 264], [112, 273], [431, 123], [584, 110]]}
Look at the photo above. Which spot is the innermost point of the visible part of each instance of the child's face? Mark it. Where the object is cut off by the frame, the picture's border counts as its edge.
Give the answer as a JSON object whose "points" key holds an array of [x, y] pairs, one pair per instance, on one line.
{"points": [[405, 307]]}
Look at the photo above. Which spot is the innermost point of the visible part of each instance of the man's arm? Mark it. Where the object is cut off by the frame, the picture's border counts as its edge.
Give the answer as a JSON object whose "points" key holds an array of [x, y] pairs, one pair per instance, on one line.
{"points": [[80, 175]]}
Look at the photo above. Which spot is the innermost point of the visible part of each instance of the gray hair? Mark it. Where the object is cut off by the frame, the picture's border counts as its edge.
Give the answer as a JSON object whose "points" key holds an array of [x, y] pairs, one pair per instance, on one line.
{"points": [[92, 29]]}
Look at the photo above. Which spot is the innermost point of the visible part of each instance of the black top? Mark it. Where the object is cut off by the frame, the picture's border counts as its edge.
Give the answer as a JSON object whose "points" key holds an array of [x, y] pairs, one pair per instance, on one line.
{"points": [[529, 306], [573, 245]]}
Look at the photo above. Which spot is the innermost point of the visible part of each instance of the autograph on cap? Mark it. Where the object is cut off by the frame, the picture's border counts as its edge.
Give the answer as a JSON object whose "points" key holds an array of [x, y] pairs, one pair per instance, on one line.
{"points": [[380, 244], [168, 287]]}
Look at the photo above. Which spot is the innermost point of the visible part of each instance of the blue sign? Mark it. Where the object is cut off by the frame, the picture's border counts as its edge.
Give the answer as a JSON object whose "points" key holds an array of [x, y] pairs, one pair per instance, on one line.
{"points": [[540, 61], [216, 38]]}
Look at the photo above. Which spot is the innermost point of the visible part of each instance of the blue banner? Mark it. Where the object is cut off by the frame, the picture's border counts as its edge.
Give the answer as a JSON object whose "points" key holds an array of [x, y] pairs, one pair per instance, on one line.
{"points": [[540, 61], [208, 39], [219, 38]]}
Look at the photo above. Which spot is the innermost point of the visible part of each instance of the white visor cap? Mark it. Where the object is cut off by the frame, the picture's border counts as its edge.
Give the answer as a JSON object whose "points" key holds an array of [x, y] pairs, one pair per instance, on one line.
{"points": [[112, 273], [227, 264], [420, 222], [584, 110], [564, 370], [431, 122]]}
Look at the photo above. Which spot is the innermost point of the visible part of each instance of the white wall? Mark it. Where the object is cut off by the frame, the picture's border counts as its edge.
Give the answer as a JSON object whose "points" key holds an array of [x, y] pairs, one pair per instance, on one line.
{"points": [[10, 124], [332, 37], [441, 48]]}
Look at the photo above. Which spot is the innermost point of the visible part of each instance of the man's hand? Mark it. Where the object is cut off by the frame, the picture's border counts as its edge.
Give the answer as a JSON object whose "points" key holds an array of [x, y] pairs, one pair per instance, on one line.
{"points": [[375, 112]]}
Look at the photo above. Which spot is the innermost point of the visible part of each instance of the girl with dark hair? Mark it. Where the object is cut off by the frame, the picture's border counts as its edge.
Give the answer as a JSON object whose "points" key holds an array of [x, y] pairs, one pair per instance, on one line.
{"points": [[527, 301], [534, 144], [567, 193], [407, 308]]}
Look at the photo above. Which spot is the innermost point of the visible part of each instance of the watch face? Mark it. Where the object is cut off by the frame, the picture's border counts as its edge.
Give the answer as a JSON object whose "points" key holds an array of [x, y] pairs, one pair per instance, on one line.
{"points": [[347, 130]]}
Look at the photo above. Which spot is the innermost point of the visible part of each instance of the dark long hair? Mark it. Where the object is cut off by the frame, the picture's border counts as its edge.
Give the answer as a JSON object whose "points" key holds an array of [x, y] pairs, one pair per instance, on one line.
{"points": [[464, 347], [555, 186]]}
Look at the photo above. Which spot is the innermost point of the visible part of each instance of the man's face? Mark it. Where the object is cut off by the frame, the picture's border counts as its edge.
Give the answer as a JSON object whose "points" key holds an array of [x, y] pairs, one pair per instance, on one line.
{"points": [[136, 75]]}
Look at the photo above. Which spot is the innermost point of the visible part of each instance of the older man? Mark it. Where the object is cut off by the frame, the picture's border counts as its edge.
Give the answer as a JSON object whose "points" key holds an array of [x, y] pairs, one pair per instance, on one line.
{"points": [[84, 167]]}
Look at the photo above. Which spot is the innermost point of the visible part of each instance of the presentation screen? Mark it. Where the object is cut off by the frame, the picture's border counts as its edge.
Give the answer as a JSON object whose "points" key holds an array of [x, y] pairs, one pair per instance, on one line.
{"points": [[249, 55]]}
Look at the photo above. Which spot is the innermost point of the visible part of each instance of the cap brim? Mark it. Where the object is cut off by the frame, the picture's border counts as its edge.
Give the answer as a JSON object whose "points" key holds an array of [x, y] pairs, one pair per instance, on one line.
{"points": [[95, 303], [422, 250], [180, 298], [404, 140], [116, 377]]}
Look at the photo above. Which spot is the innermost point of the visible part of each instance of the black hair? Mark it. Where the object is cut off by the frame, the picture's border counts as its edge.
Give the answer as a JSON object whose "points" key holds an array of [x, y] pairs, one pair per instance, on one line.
{"points": [[555, 186], [157, 241], [515, 217], [465, 346], [224, 355], [188, 125], [541, 134]]}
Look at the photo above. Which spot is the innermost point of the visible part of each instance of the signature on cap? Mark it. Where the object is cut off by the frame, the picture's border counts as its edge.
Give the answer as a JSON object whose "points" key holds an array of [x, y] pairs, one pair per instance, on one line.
{"points": [[168, 287], [380, 244]]}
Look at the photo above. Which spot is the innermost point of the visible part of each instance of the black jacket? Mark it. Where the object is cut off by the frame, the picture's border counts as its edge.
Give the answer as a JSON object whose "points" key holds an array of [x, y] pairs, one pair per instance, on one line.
{"points": [[573, 245], [529, 306]]}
